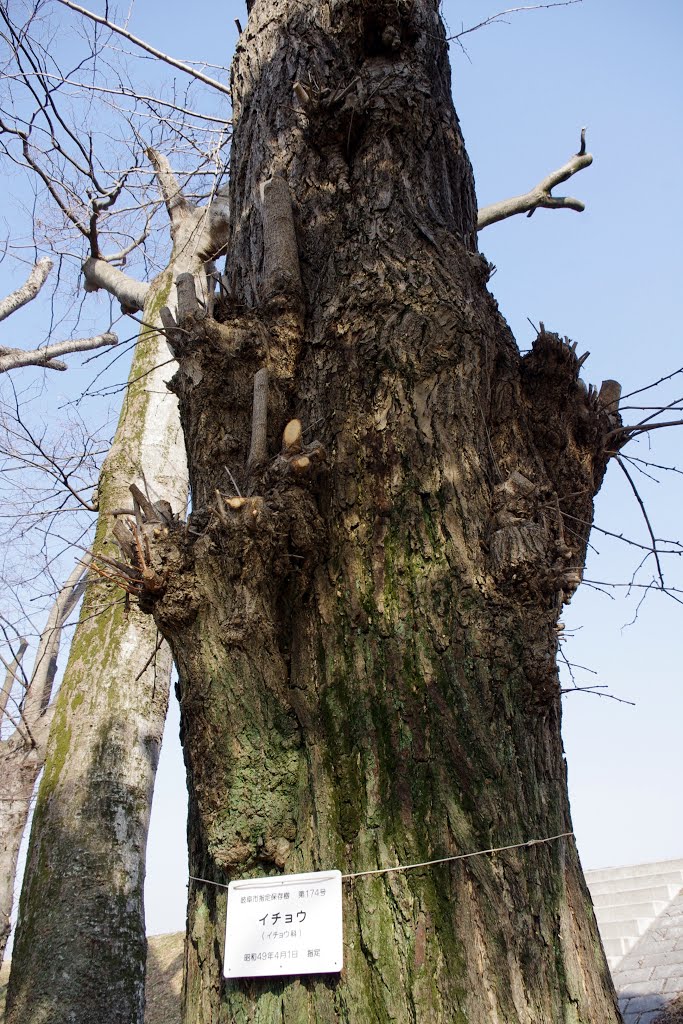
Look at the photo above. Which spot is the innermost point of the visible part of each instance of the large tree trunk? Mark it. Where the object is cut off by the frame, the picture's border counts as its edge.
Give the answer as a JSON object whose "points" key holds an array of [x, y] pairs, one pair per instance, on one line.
{"points": [[79, 954], [366, 644]]}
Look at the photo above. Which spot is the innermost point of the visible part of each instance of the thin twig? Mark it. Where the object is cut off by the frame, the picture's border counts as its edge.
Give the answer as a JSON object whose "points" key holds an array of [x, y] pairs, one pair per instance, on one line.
{"points": [[595, 690], [510, 10], [233, 481], [638, 428], [151, 659], [645, 517], [179, 64]]}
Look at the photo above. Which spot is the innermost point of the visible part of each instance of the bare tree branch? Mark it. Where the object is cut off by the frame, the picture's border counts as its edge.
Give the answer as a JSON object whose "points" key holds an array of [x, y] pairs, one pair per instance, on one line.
{"points": [[99, 273], [46, 356], [176, 203], [11, 674], [179, 64], [540, 195], [597, 689], [124, 92], [640, 428], [641, 503], [28, 291], [13, 358], [494, 18]]}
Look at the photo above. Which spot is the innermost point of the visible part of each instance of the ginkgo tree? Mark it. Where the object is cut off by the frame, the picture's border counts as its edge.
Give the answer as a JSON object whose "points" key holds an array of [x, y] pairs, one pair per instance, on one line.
{"points": [[390, 507]]}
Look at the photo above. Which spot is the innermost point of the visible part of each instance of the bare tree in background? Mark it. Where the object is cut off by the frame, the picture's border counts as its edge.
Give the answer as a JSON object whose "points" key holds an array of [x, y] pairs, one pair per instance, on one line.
{"points": [[109, 714]]}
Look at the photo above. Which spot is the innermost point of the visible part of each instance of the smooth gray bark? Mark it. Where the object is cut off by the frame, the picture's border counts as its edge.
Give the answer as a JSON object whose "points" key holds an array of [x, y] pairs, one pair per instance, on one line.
{"points": [[80, 945], [22, 752]]}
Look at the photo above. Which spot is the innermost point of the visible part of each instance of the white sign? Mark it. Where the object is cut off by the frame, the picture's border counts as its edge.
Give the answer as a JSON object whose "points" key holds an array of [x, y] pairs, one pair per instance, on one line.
{"points": [[287, 924]]}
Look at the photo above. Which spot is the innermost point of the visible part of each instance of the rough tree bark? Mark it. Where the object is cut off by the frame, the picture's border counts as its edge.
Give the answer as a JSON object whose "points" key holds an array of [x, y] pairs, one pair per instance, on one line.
{"points": [[366, 636], [80, 946]]}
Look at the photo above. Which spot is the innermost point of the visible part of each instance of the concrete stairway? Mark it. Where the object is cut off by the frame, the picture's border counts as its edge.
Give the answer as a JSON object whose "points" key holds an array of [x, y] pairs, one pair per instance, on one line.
{"points": [[628, 900]]}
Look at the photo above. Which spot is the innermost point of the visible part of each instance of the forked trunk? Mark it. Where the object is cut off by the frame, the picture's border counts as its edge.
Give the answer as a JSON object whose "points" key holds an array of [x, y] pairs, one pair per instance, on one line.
{"points": [[366, 635]]}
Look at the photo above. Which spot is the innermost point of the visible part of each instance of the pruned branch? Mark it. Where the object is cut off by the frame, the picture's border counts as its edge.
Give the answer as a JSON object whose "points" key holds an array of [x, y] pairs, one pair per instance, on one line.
{"points": [[129, 292], [28, 291], [179, 64], [281, 272], [540, 195]]}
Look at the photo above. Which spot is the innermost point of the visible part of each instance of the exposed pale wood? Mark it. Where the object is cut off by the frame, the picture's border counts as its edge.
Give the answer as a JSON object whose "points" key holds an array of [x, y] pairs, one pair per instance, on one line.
{"points": [[292, 437]]}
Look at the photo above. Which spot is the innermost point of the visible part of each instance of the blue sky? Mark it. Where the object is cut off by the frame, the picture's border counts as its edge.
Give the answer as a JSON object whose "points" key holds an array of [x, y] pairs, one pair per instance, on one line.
{"points": [[609, 279]]}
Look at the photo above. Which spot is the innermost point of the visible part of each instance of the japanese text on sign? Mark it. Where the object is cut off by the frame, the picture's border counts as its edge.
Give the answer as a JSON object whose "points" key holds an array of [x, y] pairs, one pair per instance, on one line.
{"points": [[287, 924]]}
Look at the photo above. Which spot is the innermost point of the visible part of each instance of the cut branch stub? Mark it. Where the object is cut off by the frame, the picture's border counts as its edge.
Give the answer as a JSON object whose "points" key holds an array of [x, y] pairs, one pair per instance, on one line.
{"points": [[297, 457], [148, 509], [608, 400], [188, 304], [237, 509], [281, 273], [173, 334], [301, 464], [609, 396], [292, 438], [124, 538]]}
